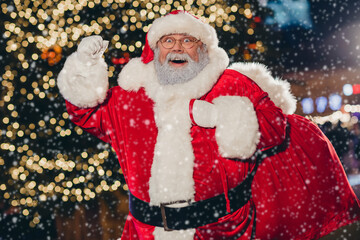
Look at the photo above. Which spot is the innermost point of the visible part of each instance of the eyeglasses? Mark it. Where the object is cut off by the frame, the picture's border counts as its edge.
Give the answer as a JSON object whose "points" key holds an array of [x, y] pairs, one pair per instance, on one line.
{"points": [[186, 42]]}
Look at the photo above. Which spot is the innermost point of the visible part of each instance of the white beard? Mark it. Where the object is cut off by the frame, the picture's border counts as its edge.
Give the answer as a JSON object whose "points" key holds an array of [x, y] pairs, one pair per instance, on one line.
{"points": [[168, 75]]}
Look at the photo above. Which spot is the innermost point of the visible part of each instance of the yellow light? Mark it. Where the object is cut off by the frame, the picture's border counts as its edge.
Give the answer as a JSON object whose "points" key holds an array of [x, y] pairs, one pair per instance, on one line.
{"points": [[41, 123], [52, 82], [6, 120], [20, 133], [33, 135], [53, 121], [247, 56], [42, 95], [36, 220], [78, 191], [101, 172], [124, 48], [22, 177], [65, 115], [66, 191], [250, 31], [25, 212], [42, 197], [151, 15], [11, 107], [35, 56], [226, 28], [109, 173], [13, 15]]}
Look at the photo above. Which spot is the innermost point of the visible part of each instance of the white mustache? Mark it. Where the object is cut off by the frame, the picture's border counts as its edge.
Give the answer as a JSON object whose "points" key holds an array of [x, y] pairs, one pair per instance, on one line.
{"points": [[178, 56]]}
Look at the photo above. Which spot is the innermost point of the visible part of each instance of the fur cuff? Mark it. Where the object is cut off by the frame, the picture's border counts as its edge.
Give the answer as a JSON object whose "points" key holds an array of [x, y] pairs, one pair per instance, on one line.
{"points": [[83, 85], [237, 128]]}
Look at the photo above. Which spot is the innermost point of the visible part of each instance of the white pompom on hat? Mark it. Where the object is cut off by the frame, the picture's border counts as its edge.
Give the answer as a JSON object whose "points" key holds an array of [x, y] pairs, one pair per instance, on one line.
{"points": [[178, 22]]}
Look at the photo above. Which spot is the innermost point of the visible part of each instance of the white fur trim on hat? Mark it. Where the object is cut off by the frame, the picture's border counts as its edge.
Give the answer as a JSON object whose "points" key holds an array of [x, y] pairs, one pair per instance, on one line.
{"points": [[185, 23], [278, 90], [237, 129], [82, 84]]}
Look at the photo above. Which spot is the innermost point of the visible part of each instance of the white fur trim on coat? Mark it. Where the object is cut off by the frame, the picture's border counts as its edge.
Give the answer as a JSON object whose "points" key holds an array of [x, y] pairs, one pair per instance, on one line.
{"points": [[82, 84], [160, 234], [185, 23], [237, 129], [278, 90]]}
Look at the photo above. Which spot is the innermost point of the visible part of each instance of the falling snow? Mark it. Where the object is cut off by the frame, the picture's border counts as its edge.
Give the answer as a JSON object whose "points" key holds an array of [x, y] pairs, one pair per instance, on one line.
{"points": [[60, 182]]}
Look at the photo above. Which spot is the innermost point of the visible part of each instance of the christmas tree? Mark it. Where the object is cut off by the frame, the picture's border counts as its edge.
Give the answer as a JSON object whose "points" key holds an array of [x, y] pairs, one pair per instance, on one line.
{"points": [[50, 167]]}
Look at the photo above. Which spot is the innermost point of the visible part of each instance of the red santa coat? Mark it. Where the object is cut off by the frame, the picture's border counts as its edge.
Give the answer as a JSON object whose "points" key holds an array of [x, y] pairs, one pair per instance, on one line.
{"points": [[299, 193]]}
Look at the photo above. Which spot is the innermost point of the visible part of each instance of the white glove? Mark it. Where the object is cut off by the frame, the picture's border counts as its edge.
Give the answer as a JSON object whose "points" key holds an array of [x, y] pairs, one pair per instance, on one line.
{"points": [[204, 114], [91, 49]]}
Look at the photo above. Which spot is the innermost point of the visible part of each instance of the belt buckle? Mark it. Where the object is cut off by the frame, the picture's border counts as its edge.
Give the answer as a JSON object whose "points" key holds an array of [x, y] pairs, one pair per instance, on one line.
{"points": [[163, 216], [163, 212]]}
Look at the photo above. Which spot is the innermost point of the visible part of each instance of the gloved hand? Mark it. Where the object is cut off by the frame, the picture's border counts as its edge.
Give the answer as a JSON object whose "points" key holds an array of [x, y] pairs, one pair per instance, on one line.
{"points": [[204, 114], [91, 49]]}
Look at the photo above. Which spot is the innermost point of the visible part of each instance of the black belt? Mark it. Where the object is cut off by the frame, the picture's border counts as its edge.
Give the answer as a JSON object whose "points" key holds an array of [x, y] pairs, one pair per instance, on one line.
{"points": [[199, 213], [194, 215]]}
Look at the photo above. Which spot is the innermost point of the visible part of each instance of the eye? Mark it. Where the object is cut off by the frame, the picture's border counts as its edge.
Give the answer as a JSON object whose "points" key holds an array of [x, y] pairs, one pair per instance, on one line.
{"points": [[187, 40], [168, 40]]}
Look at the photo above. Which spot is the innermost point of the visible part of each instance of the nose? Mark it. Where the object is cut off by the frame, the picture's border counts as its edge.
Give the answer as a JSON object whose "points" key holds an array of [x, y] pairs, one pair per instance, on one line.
{"points": [[178, 48]]}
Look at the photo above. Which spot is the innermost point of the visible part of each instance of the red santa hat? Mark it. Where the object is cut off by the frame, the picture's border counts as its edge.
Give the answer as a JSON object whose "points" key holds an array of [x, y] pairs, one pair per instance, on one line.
{"points": [[180, 22]]}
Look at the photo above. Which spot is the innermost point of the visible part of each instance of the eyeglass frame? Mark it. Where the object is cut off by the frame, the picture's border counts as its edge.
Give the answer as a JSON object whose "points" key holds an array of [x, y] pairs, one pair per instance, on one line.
{"points": [[180, 40]]}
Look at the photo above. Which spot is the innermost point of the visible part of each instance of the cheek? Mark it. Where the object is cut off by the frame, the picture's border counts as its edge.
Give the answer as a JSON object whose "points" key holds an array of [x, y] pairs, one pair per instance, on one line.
{"points": [[162, 56], [194, 55]]}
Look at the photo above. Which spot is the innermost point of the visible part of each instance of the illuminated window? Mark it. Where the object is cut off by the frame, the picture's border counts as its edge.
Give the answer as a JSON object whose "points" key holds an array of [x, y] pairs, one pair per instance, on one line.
{"points": [[335, 102], [347, 90], [307, 105], [321, 103]]}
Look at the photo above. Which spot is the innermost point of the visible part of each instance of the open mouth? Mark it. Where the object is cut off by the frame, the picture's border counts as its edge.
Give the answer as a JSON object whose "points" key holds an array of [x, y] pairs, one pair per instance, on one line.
{"points": [[178, 61]]}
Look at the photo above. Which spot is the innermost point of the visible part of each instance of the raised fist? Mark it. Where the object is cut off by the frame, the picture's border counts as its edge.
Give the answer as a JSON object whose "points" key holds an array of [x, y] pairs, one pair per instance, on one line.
{"points": [[91, 48]]}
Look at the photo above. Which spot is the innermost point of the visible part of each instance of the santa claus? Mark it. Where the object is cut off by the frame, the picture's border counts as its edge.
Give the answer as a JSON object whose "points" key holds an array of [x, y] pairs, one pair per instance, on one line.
{"points": [[190, 133]]}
